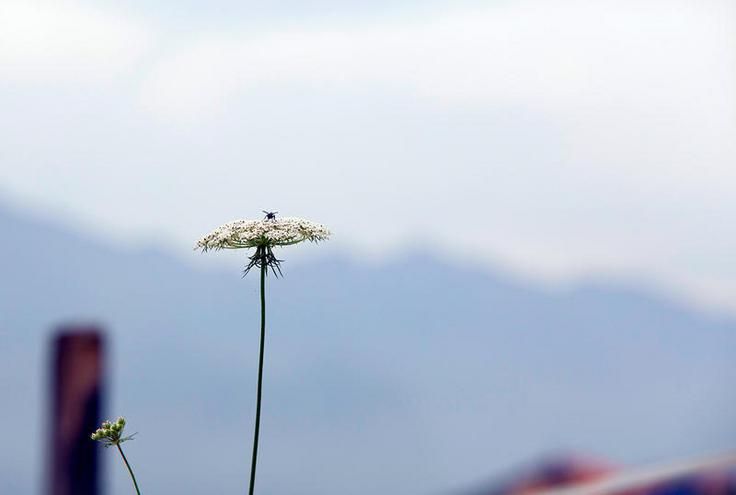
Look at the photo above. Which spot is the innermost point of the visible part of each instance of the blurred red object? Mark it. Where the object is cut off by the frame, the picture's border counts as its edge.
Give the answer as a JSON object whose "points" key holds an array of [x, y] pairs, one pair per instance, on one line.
{"points": [[555, 473], [578, 472], [76, 381]]}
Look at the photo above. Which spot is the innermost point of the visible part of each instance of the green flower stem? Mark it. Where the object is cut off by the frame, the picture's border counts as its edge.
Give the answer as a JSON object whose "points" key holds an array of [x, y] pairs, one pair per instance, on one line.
{"points": [[264, 269], [135, 483]]}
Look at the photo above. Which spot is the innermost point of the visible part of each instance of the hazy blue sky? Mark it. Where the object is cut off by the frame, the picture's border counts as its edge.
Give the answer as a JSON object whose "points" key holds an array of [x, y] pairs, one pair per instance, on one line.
{"points": [[562, 139]]}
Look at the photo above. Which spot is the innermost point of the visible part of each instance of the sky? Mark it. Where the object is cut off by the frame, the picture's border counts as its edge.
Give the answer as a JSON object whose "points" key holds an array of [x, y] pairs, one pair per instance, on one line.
{"points": [[560, 140]]}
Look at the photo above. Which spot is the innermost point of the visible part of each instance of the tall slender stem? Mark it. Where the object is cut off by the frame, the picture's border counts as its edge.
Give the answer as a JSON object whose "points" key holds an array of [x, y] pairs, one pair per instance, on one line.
{"points": [[264, 268], [135, 483]]}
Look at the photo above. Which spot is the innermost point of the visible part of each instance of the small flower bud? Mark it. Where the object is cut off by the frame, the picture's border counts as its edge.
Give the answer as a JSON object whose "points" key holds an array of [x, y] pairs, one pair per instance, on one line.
{"points": [[110, 432]]}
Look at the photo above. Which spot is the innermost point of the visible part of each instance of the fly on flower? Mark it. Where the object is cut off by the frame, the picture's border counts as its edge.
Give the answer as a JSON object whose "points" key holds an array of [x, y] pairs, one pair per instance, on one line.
{"points": [[270, 215]]}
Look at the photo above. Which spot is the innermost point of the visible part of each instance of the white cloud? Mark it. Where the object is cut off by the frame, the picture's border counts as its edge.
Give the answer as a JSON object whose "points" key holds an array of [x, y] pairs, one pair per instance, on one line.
{"points": [[51, 42], [546, 54]]}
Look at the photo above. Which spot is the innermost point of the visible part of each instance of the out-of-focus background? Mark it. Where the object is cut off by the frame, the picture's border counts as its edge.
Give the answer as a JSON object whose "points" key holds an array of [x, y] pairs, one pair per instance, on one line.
{"points": [[533, 253]]}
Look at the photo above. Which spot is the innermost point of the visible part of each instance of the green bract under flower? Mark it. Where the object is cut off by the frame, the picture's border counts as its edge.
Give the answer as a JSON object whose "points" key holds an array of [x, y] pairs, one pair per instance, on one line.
{"points": [[263, 233]]}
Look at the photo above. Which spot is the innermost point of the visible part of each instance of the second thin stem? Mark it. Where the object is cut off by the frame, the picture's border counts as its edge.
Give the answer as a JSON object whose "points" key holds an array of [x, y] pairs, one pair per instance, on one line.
{"points": [[125, 460]]}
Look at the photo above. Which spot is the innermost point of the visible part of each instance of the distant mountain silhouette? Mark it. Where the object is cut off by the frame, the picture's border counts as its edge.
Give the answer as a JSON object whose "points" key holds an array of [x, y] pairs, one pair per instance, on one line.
{"points": [[416, 376]]}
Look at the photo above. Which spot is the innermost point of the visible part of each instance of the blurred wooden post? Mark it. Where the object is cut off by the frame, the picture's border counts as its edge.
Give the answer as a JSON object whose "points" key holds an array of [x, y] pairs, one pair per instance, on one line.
{"points": [[77, 370]]}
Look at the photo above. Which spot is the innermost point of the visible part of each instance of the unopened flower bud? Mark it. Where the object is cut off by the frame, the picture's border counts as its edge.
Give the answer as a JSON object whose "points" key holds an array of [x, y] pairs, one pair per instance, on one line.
{"points": [[110, 432]]}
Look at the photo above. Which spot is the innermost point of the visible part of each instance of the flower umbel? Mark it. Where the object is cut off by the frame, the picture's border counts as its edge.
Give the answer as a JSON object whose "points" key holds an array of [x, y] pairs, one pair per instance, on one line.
{"points": [[111, 433], [267, 232], [263, 235]]}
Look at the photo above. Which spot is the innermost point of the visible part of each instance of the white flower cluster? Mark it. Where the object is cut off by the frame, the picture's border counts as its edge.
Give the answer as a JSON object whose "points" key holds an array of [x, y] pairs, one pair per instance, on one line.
{"points": [[268, 232]]}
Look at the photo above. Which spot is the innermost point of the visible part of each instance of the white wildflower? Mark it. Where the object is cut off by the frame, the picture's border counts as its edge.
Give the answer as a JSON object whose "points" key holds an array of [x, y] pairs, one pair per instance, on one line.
{"points": [[254, 233], [263, 235]]}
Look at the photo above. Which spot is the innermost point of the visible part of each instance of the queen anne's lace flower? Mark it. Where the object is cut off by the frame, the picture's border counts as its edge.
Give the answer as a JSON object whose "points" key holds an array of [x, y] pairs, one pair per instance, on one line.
{"points": [[254, 233], [263, 235]]}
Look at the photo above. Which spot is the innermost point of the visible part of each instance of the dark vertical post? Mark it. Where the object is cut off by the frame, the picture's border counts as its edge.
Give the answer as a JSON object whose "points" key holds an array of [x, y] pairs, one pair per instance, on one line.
{"points": [[77, 370]]}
